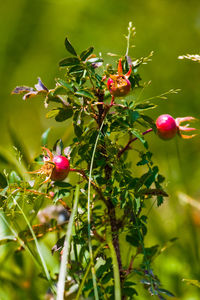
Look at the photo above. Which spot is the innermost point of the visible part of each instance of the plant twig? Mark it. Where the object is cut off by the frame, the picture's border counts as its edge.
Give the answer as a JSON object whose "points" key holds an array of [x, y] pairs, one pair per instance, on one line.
{"points": [[131, 141]]}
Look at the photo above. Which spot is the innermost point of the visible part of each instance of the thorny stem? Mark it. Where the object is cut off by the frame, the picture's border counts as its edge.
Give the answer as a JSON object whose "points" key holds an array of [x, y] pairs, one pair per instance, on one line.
{"points": [[103, 110], [131, 141]]}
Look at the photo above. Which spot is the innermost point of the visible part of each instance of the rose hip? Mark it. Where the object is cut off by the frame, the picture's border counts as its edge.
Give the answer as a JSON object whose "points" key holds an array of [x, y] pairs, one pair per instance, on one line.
{"points": [[61, 169], [166, 127]]}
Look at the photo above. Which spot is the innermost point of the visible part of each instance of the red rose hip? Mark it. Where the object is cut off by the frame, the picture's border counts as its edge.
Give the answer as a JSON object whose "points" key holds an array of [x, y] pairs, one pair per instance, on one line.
{"points": [[61, 168], [166, 127]]}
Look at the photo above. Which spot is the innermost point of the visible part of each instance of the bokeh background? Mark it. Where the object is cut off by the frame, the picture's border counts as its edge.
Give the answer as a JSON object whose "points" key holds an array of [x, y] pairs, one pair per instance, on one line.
{"points": [[32, 42]]}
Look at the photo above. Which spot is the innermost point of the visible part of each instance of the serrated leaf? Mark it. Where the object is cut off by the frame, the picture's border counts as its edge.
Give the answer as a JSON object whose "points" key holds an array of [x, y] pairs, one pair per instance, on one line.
{"points": [[84, 93], [69, 61], [69, 47], [86, 53], [44, 137]]}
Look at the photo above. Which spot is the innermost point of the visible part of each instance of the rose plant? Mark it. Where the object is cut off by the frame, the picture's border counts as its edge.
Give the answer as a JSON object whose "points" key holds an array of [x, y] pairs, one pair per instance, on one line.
{"points": [[98, 101]]}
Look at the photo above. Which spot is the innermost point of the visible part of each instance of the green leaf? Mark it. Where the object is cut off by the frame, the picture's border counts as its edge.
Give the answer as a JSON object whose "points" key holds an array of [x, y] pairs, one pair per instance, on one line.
{"points": [[52, 113], [65, 84], [76, 69], [103, 268], [60, 90], [166, 292], [44, 138], [128, 291], [77, 130], [14, 177], [134, 115], [84, 93], [149, 120], [61, 194], [58, 147], [60, 114], [69, 61], [52, 98], [69, 47], [64, 114], [145, 106], [140, 137], [137, 201], [107, 277], [62, 184], [86, 53]]}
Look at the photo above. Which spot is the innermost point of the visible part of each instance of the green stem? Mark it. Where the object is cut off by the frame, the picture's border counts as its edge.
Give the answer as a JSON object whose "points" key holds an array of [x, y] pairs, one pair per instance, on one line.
{"points": [[116, 271], [88, 219], [66, 249]]}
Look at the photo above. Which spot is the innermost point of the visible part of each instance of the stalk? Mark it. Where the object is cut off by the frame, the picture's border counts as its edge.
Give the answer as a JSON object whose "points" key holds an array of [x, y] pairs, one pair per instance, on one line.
{"points": [[89, 218], [117, 284], [66, 249]]}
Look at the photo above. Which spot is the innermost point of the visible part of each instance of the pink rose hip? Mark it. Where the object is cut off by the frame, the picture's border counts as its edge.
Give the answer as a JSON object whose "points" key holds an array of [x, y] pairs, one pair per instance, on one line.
{"points": [[61, 169], [166, 127]]}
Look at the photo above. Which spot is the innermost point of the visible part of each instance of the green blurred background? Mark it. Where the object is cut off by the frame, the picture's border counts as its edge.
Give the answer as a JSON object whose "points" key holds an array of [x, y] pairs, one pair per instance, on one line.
{"points": [[32, 42]]}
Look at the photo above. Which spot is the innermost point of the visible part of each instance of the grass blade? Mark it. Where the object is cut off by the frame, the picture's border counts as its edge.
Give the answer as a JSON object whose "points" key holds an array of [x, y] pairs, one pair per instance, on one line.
{"points": [[117, 285], [66, 248]]}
